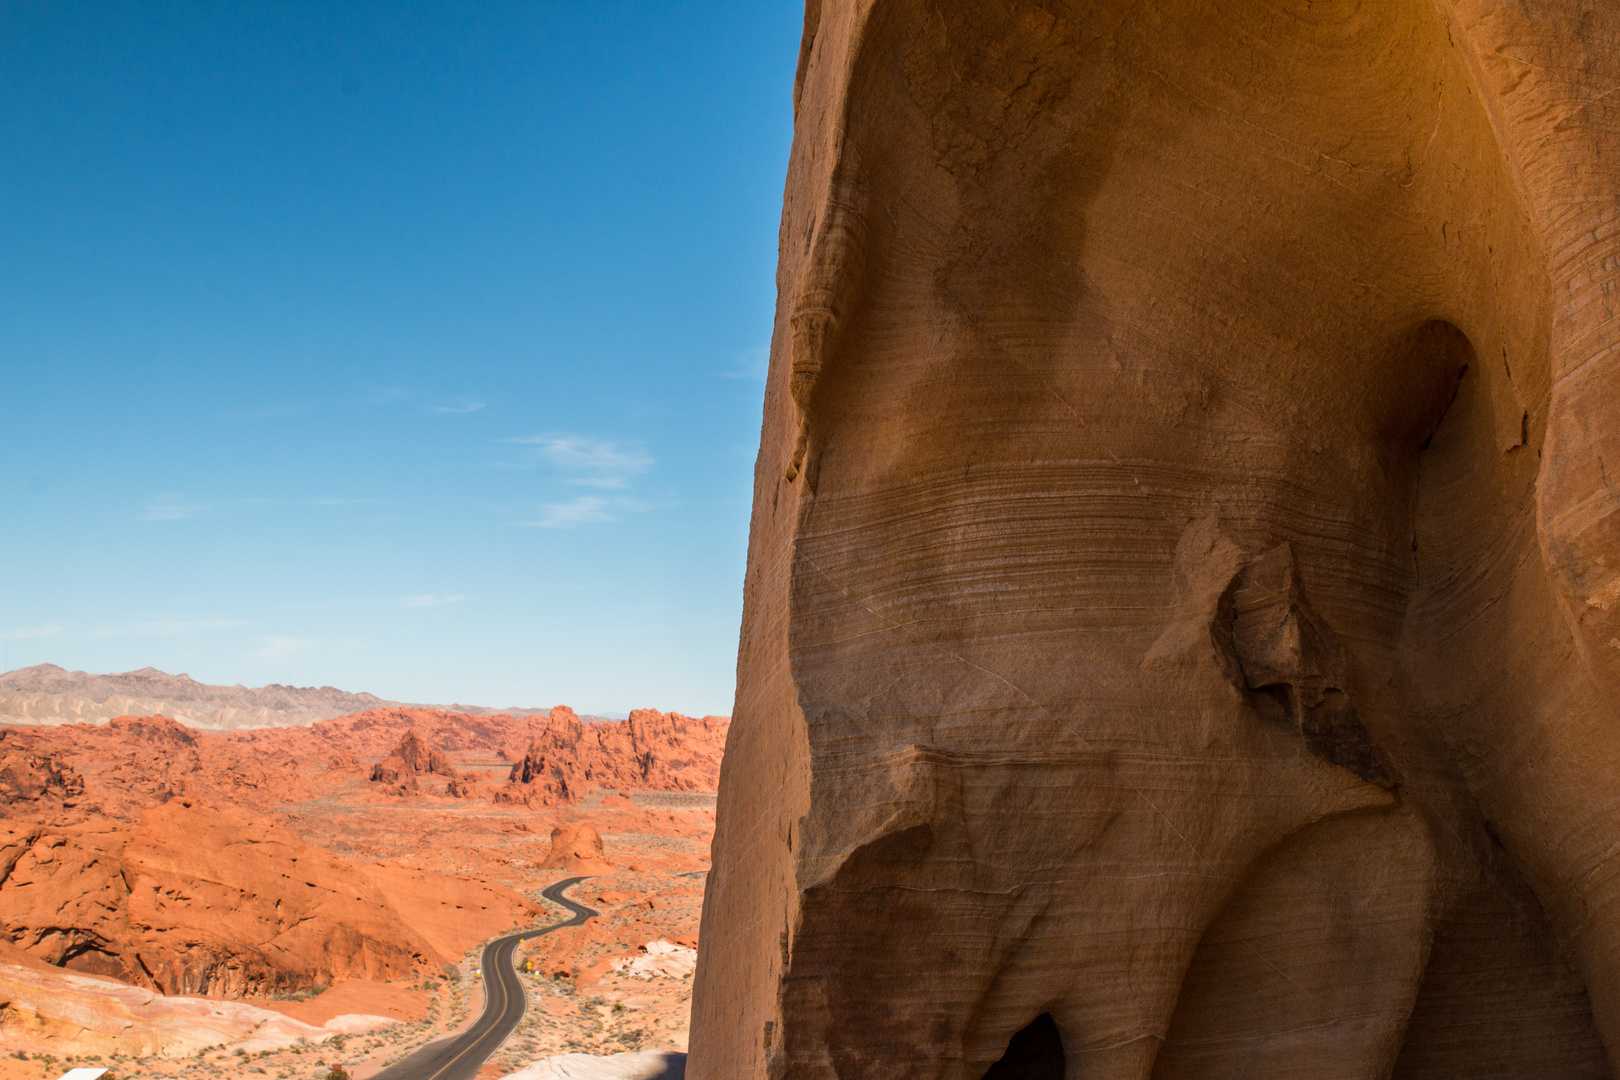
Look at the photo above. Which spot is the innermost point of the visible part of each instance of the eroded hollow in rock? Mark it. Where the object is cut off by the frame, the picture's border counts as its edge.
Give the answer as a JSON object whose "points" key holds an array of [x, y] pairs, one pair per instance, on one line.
{"points": [[1035, 1053]]}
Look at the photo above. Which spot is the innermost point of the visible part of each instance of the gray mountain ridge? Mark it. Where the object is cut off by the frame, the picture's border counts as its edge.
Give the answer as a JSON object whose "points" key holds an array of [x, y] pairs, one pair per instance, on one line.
{"points": [[48, 694]]}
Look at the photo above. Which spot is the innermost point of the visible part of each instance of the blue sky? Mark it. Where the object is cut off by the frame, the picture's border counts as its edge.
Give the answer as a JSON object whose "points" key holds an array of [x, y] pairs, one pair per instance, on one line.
{"points": [[415, 348]]}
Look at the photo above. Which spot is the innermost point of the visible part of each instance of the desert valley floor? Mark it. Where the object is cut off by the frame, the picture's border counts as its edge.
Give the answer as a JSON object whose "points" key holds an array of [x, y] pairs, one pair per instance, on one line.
{"points": [[277, 901]]}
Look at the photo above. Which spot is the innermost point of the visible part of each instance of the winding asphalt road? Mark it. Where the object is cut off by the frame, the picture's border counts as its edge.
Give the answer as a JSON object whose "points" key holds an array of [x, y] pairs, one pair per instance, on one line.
{"points": [[459, 1058]]}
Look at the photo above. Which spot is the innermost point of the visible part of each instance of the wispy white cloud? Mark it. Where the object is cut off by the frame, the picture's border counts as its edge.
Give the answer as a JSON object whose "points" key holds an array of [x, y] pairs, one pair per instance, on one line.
{"points": [[588, 462], [429, 600], [459, 407], [170, 507], [279, 648], [164, 627], [387, 395], [37, 632], [583, 510], [752, 363]]}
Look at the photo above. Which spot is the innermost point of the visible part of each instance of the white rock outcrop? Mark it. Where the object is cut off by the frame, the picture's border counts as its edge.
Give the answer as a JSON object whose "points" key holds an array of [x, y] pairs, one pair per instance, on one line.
{"points": [[646, 1065], [662, 958]]}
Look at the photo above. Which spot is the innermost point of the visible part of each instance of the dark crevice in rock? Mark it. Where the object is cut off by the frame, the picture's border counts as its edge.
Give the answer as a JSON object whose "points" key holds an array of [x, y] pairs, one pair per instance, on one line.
{"points": [[1035, 1053], [1290, 665]]}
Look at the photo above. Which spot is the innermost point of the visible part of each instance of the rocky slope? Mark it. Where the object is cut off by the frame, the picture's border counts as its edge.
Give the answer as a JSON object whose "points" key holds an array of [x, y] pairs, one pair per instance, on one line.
{"points": [[1182, 622], [199, 901], [74, 1014]]}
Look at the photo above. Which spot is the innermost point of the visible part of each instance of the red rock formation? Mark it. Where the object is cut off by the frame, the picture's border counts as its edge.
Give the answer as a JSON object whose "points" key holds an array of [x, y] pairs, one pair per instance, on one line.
{"points": [[577, 848], [198, 901], [464, 787], [146, 851], [407, 762], [133, 762], [43, 1008], [36, 781], [675, 752], [1182, 621], [377, 732], [233, 906], [62, 895], [649, 751]]}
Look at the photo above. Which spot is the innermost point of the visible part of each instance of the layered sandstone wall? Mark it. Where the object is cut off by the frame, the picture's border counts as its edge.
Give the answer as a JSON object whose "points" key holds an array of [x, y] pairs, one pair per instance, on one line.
{"points": [[1181, 623]]}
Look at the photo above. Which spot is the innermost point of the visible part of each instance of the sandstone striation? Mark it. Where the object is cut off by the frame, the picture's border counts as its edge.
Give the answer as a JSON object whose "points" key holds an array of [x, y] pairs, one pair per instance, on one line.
{"points": [[1182, 623]]}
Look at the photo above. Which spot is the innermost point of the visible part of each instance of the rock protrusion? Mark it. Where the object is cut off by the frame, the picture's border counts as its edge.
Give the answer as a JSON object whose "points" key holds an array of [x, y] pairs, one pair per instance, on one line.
{"points": [[1290, 664], [410, 761]]}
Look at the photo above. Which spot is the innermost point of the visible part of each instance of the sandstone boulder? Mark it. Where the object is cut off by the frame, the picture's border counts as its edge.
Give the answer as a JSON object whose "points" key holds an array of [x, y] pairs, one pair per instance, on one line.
{"points": [[577, 848], [659, 959], [1181, 631]]}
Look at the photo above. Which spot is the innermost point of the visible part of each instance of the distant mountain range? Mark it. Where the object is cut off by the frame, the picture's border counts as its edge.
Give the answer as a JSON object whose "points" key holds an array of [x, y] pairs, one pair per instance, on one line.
{"points": [[47, 694]]}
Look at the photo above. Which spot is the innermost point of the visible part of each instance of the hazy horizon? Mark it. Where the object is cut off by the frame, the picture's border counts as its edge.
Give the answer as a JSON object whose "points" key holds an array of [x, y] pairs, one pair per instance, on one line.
{"points": [[507, 707], [415, 350]]}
